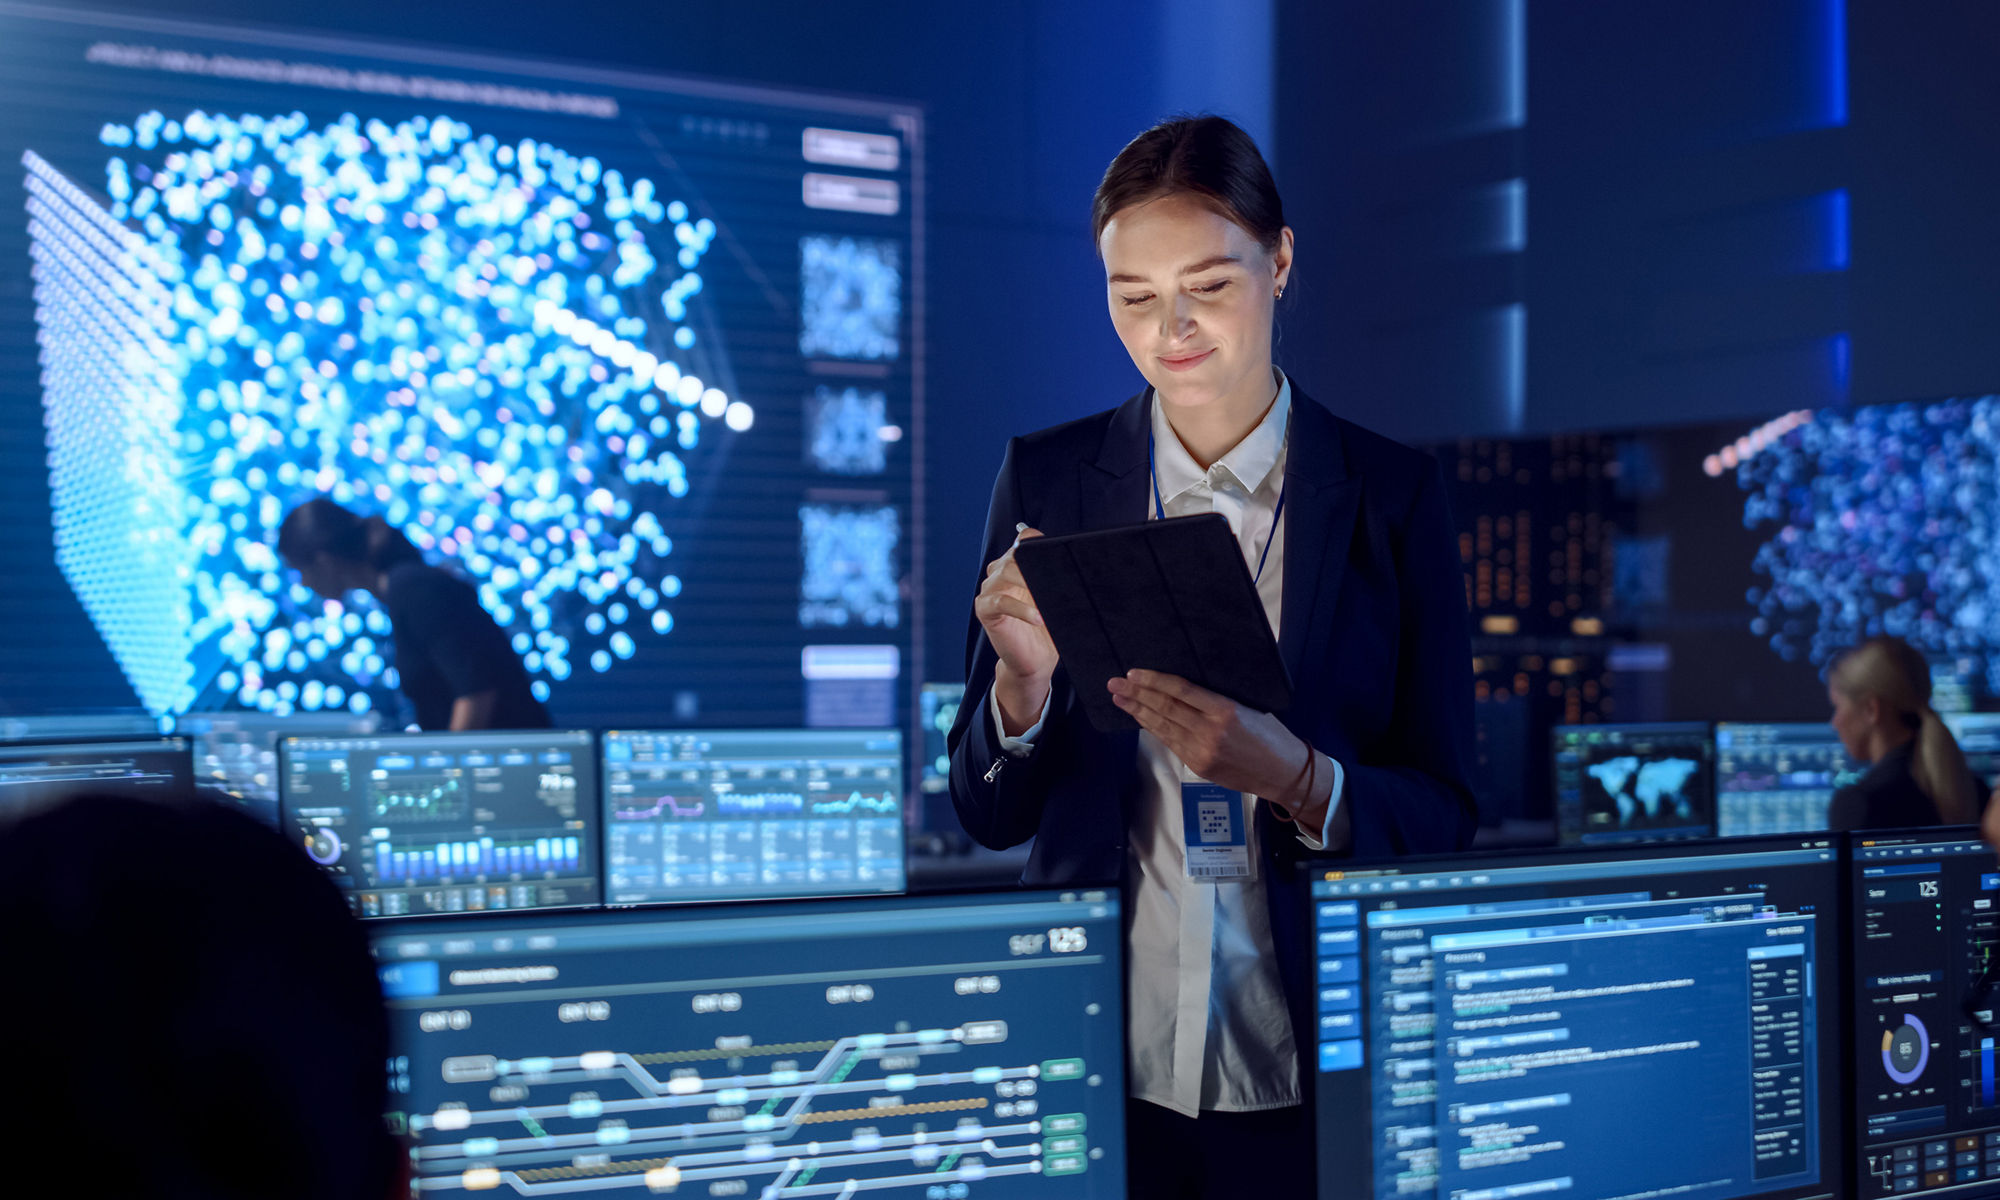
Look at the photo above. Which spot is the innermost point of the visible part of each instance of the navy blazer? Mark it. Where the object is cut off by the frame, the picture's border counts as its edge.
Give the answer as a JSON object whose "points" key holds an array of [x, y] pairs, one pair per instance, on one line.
{"points": [[1373, 631]]}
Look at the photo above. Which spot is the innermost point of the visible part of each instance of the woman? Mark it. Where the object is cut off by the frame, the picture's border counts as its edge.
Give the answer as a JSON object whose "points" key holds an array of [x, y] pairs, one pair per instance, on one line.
{"points": [[454, 663], [1881, 694], [1356, 562]]}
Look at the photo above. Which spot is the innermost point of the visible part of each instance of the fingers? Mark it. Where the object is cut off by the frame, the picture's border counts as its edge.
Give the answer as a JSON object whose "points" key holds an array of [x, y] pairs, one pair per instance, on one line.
{"points": [[1180, 689], [1006, 603], [1006, 560], [1155, 710]]}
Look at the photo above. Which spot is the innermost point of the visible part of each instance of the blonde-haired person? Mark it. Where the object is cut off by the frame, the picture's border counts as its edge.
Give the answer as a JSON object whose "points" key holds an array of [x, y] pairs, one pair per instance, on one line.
{"points": [[1881, 694]]}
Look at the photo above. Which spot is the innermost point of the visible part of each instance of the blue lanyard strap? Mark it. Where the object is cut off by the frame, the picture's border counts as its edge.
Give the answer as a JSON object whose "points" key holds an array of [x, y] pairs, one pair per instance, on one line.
{"points": [[1160, 507]]}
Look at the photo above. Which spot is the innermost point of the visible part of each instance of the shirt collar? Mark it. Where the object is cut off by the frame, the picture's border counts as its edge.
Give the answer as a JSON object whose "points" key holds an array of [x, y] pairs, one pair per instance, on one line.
{"points": [[1251, 461]]}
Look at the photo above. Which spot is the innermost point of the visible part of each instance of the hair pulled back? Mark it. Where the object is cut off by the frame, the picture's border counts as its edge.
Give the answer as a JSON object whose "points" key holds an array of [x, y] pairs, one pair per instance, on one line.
{"points": [[1206, 157], [1892, 671], [321, 526]]}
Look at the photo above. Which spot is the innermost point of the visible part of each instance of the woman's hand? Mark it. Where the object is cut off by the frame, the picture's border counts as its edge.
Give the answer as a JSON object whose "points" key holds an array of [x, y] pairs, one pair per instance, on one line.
{"points": [[1224, 742], [1007, 612]]}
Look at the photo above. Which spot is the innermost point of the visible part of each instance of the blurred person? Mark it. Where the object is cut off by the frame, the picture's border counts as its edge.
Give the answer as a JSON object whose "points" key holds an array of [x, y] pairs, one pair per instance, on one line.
{"points": [[191, 1011], [1881, 696], [453, 661], [1354, 558]]}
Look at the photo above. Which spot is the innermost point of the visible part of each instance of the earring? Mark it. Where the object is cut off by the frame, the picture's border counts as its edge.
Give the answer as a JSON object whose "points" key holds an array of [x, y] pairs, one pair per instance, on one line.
{"points": [[1280, 295]]}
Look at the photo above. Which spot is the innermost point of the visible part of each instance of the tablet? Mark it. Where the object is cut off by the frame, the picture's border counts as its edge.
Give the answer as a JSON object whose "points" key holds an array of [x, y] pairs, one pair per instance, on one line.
{"points": [[1170, 596]]}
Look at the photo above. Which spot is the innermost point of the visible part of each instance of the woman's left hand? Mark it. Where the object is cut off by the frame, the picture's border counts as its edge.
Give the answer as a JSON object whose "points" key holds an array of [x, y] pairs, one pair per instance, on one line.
{"points": [[1220, 740]]}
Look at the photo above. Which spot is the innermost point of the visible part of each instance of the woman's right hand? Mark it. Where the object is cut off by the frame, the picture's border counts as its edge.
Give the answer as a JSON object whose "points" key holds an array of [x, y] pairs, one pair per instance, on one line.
{"points": [[1007, 612]]}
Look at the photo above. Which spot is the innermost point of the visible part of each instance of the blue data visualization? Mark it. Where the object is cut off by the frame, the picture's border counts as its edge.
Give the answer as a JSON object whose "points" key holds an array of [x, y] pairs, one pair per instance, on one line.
{"points": [[966, 1047], [1778, 778], [447, 823], [581, 338], [746, 814], [36, 773], [1617, 1022], [1634, 783], [1925, 932]]}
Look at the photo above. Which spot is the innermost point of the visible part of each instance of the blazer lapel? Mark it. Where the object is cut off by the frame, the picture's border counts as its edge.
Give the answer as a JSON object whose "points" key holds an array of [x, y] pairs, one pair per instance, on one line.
{"points": [[1112, 488], [1322, 501]]}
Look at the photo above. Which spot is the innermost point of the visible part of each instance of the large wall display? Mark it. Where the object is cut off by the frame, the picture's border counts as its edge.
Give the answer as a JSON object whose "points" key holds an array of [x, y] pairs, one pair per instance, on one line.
{"points": [[640, 357]]}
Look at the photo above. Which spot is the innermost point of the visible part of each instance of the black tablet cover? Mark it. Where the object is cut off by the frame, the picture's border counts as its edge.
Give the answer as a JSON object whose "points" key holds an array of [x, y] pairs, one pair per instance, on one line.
{"points": [[1170, 596]]}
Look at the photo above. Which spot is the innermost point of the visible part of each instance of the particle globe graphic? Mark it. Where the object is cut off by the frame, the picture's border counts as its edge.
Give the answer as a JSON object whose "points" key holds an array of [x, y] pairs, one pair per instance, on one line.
{"points": [[1884, 519], [489, 343]]}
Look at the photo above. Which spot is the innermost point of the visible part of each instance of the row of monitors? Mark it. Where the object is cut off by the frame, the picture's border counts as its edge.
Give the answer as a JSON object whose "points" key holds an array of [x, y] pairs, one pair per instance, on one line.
{"points": [[1765, 1019], [236, 751], [1631, 783], [423, 823]]}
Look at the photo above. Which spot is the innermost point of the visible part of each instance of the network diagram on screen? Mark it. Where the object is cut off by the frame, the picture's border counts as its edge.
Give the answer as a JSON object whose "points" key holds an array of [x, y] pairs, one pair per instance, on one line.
{"points": [[547, 334], [936, 1048]]}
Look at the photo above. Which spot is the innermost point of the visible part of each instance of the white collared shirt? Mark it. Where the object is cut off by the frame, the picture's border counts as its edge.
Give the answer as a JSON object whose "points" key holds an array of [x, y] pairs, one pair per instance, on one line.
{"points": [[1208, 1025]]}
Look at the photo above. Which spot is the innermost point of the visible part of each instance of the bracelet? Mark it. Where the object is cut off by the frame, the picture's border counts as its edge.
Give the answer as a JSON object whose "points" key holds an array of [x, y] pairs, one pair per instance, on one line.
{"points": [[1310, 773]]}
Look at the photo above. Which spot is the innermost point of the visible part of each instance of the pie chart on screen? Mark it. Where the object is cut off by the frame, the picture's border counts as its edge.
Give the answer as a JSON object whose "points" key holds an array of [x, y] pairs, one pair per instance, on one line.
{"points": [[1906, 1050], [323, 847]]}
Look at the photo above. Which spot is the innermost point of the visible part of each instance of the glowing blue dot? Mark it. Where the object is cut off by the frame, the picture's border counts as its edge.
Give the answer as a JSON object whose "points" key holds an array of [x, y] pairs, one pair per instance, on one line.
{"points": [[663, 621], [622, 645], [600, 661]]}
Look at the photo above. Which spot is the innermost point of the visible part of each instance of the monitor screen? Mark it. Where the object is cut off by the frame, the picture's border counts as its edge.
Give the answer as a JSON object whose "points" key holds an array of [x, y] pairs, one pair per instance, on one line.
{"points": [[237, 752], [1925, 929], [77, 726], [748, 814], [447, 822], [937, 708], [1777, 778], [1632, 783], [1978, 735], [33, 773], [639, 356], [1628, 1021], [963, 1046]]}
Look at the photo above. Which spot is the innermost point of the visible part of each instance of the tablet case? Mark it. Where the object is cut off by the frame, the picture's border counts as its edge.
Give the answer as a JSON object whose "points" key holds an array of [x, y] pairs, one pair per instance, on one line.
{"points": [[1171, 596]]}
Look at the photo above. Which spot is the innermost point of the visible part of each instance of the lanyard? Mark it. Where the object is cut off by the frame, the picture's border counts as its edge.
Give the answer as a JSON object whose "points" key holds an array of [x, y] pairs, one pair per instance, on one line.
{"points": [[1160, 508]]}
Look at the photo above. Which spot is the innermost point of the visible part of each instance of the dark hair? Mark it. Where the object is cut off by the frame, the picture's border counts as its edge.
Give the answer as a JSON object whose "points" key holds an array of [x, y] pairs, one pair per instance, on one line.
{"points": [[320, 526], [183, 949], [1206, 157]]}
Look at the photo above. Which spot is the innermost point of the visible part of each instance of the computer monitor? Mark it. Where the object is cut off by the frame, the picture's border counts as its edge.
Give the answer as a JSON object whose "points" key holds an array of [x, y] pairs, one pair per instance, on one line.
{"points": [[447, 822], [1634, 783], [945, 1045], [35, 773], [749, 814], [237, 752], [1925, 928], [1659, 1020], [937, 708], [1777, 778], [1978, 735], [74, 727]]}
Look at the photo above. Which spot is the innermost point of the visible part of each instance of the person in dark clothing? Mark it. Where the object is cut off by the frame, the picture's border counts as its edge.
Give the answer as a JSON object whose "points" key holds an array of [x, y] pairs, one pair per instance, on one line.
{"points": [[454, 662], [192, 1011], [1347, 541], [1881, 695]]}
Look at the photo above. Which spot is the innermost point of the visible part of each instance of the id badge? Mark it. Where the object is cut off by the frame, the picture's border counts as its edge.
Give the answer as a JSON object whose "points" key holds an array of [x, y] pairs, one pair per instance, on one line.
{"points": [[1218, 843]]}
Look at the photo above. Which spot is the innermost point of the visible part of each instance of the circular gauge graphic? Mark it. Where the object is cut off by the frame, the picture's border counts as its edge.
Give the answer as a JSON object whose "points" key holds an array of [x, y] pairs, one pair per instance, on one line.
{"points": [[1906, 1050], [323, 847]]}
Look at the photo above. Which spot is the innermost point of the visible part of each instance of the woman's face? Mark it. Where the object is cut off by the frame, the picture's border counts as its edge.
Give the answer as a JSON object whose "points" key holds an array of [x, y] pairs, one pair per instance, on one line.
{"points": [[1191, 294], [1853, 720]]}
